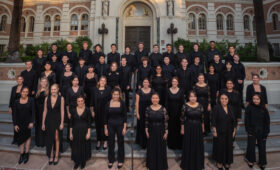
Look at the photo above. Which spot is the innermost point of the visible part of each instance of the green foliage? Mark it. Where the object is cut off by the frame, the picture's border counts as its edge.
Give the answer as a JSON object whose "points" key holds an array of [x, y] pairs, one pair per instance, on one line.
{"points": [[186, 43], [25, 58], [61, 45], [45, 48], [31, 50], [81, 39]]}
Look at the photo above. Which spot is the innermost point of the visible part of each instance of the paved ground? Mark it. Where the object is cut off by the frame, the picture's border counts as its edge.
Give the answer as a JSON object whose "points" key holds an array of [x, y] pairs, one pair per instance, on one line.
{"points": [[9, 160]]}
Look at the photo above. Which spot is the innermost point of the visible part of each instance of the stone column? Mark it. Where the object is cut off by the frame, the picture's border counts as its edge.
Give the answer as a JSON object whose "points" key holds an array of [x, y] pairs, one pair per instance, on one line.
{"points": [[91, 28], [238, 23], [38, 24], [211, 23], [65, 21]]}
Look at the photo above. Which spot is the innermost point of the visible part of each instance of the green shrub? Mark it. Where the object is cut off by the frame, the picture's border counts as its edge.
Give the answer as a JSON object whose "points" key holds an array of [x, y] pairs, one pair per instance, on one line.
{"points": [[61, 45], [25, 58]]}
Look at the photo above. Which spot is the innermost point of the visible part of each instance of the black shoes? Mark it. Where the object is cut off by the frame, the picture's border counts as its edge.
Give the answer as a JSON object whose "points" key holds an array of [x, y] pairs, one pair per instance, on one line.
{"points": [[21, 158], [55, 162], [110, 165], [262, 167], [120, 166], [83, 165], [76, 166], [26, 157]]}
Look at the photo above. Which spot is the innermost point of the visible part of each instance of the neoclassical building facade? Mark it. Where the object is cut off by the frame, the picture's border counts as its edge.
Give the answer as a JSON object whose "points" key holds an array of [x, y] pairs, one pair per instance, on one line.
{"points": [[131, 21]]}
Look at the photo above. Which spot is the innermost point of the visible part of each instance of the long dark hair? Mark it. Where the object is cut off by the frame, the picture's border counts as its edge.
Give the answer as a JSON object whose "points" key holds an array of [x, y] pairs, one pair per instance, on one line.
{"points": [[262, 104]]}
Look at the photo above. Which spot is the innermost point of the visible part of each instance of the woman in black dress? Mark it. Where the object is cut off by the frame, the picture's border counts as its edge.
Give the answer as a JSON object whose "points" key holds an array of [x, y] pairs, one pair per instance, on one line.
{"points": [[144, 71], [192, 127], [228, 74], [80, 133], [213, 81], [256, 87], [90, 81], [159, 84], [224, 129], [125, 80], [113, 76], [23, 119], [257, 125], [65, 80], [42, 93], [15, 95], [143, 100], [115, 124], [52, 123], [49, 74], [101, 95], [202, 91], [174, 101], [156, 128]]}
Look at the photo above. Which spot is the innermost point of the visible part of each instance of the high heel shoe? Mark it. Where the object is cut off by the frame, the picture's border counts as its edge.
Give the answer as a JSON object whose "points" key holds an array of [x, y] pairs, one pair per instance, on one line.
{"points": [[76, 166], [98, 147], [221, 168], [250, 165], [120, 166], [55, 162], [21, 158], [110, 166], [262, 167], [50, 161], [26, 158]]}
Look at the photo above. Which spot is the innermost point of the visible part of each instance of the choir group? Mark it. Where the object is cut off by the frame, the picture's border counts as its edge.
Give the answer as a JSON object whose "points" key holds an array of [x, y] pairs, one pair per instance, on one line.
{"points": [[180, 99]]}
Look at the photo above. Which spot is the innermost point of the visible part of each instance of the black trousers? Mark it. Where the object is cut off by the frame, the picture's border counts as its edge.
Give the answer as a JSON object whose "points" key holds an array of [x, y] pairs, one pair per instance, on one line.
{"points": [[251, 152], [100, 136], [126, 96], [115, 127], [239, 88]]}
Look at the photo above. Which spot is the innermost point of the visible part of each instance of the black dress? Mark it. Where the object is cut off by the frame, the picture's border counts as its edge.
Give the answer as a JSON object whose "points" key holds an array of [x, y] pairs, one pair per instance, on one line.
{"points": [[193, 147], [80, 146], [52, 123], [30, 79], [185, 79], [225, 124], [251, 91], [159, 84], [157, 124], [39, 133], [228, 75], [203, 98], [234, 101], [174, 103], [23, 114], [71, 97], [98, 101], [51, 78], [143, 72], [144, 102], [65, 83], [113, 79], [214, 83], [89, 85]]}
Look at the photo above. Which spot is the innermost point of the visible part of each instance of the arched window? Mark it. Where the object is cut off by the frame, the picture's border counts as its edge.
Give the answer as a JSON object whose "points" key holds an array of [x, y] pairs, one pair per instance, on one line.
{"points": [[275, 21], [220, 22], [246, 22], [74, 22], [47, 23], [254, 24], [31, 24], [202, 22], [23, 24], [230, 22], [3, 23], [192, 21], [56, 23], [84, 22]]}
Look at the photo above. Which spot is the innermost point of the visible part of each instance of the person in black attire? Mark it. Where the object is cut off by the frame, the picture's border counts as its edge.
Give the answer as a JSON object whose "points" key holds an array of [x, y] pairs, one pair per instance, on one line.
{"points": [[85, 53], [23, 120], [115, 124], [65, 81], [81, 70], [15, 95], [209, 54], [41, 94], [192, 127], [159, 84], [30, 77], [52, 123], [228, 74], [101, 67], [224, 129], [38, 63], [156, 127], [113, 76], [139, 53], [219, 66], [196, 68], [143, 100], [54, 52], [185, 77], [90, 81], [144, 71], [80, 134], [56, 67], [61, 67], [239, 70], [72, 55], [170, 54], [256, 87], [49, 74], [125, 80], [196, 53], [168, 70], [93, 60], [101, 95], [230, 55], [174, 101], [180, 55], [131, 61], [113, 56], [257, 125], [155, 57], [213, 82]]}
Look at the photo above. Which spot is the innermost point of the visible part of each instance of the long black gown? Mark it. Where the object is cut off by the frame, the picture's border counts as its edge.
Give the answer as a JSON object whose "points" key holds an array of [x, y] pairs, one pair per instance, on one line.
{"points": [[89, 85], [234, 101], [65, 83], [81, 148], [23, 114], [213, 81], [159, 84], [98, 101], [157, 123], [39, 133], [250, 91], [51, 78], [203, 98], [193, 148], [52, 123], [174, 103], [144, 102], [222, 144]]}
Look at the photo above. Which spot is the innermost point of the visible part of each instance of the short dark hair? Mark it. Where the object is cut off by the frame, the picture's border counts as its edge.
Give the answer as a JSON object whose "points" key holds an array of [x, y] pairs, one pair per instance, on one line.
{"points": [[97, 45], [168, 45], [113, 45], [212, 42], [195, 44], [155, 45], [127, 46], [54, 44]]}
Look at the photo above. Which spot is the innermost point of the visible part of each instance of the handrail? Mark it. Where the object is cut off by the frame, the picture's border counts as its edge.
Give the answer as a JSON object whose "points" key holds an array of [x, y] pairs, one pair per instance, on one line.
{"points": [[132, 112]]}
